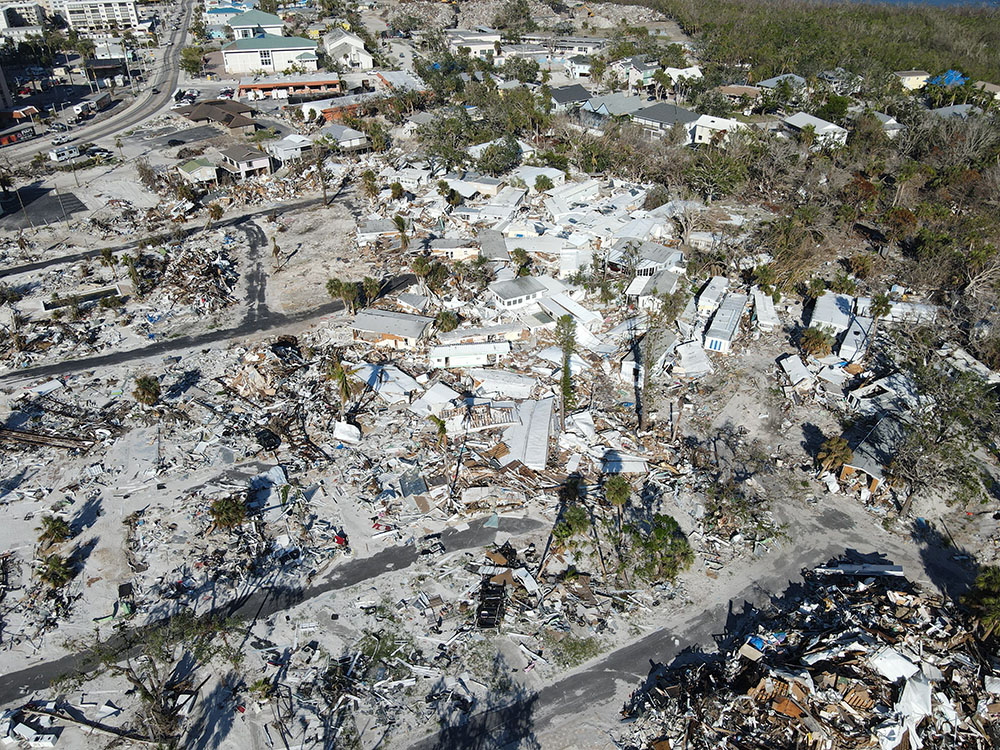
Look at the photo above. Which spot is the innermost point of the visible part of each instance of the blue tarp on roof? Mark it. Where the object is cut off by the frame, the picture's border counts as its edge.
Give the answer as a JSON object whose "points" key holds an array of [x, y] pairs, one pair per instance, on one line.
{"points": [[949, 78]]}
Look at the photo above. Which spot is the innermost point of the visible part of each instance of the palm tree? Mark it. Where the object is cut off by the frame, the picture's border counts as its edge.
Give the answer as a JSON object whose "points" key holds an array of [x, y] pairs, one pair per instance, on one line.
{"points": [[147, 390], [404, 240], [984, 599], [215, 213], [56, 571], [441, 430], [54, 530], [333, 287], [815, 342], [815, 288], [371, 288], [880, 307], [617, 491], [833, 453], [345, 381]]}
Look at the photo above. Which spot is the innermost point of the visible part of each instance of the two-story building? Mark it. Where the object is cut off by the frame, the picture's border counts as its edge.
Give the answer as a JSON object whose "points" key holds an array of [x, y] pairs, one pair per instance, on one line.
{"points": [[255, 23], [269, 54], [242, 162], [347, 49]]}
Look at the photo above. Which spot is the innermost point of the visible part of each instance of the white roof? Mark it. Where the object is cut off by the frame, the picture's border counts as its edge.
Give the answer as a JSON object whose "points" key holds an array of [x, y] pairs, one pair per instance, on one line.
{"points": [[833, 311], [727, 318], [388, 321], [801, 120], [713, 290], [764, 307], [503, 382], [794, 369], [469, 350], [528, 441]]}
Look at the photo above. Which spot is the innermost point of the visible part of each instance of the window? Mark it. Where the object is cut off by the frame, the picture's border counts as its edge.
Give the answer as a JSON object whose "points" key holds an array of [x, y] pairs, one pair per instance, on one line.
{"points": [[265, 58]]}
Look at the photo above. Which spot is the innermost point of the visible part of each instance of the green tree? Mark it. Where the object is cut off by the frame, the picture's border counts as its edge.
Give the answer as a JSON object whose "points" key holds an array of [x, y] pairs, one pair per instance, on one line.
{"points": [[228, 512], [404, 238], [815, 288], [54, 530], [147, 390], [345, 381], [440, 430], [500, 158], [371, 288], [397, 191], [715, 173], [834, 453], [543, 183], [983, 600], [816, 342], [369, 183], [446, 321], [56, 571], [661, 550], [192, 60], [566, 341], [522, 261]]}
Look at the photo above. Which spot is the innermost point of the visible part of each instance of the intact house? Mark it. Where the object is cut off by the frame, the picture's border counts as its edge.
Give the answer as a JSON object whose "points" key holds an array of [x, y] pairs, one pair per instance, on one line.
{"points": [[708, 129], [726, 324], [890, 125], [348, 49], [255, 23], [646, 258], [911, 80], [832, 313], [199, 171], [230, 114], [517, 293], [289, 149], [344, 138], [596, 110], [578, 66], [796, 83], [397, 330], [661, 119], [827, 133], [242, 162], [566, 98], [482, 43], [270, 54]]}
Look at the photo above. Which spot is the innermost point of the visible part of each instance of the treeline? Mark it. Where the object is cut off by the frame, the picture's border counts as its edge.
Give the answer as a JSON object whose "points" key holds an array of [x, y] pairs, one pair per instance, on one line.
{"points": [[804, 37]]}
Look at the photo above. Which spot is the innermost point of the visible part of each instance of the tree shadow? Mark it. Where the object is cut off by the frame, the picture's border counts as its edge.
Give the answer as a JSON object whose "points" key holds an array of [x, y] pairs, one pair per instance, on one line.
{"points": [[812, 439], [503, 719], [87, 516], [185, 382], [950, 568], [215, 721], [82, 553]]}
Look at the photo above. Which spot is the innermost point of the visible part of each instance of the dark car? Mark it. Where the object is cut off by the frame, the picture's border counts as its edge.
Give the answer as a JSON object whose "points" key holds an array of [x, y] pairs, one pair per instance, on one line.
{"points": [[175, 142], [156, 91]]}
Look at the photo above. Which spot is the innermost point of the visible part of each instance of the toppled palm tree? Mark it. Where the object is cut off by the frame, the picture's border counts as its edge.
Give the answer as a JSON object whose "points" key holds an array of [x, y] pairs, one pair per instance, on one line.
{"points": [[834, 453], [441, 430]]}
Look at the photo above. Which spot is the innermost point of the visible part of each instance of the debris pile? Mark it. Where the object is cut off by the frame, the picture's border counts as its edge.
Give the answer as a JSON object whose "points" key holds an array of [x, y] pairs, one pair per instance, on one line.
{"points": [[861, 658]]}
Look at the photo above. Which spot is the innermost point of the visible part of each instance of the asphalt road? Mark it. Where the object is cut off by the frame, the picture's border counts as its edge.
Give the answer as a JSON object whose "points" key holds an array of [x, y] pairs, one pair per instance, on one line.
{"points": [[272, 600], [584, 705], [193, 229], [141, 108]]}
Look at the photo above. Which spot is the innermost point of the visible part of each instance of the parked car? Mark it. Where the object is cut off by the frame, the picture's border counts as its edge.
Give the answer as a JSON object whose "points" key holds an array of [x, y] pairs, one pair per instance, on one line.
{"points": [[174, 142], [60, 139]]}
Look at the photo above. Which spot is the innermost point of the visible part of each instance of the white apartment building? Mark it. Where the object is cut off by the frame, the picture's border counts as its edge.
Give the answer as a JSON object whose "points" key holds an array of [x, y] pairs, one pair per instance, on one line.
{"points": [[99, 15]]}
